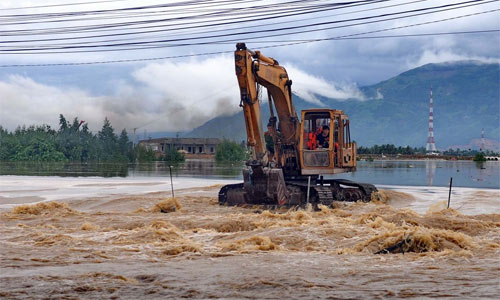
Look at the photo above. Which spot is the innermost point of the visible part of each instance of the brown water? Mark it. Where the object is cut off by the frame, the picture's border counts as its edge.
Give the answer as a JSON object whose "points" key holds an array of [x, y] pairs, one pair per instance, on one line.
{"points": [[124, 246]]}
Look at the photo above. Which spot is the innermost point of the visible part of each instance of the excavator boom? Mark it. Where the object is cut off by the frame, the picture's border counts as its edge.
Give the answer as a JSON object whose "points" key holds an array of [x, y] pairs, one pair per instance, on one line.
{"points": [[254, 70]]}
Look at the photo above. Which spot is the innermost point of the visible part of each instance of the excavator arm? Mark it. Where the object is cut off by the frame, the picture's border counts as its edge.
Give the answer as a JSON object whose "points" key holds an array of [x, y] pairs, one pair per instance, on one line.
{"points": [[254, 69]]}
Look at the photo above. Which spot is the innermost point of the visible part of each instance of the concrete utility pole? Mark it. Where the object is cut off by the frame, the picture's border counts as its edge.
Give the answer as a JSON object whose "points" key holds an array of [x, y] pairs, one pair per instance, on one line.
{"points": [[133, 141]]}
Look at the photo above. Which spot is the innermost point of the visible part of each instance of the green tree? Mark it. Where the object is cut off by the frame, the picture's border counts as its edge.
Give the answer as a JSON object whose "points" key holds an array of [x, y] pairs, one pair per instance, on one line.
{"points": [[39, 149], [108, 141], [123, 142], [126, 146], [479, 157], [90, 145], [144, 154], [31, 144], [68, 139], [230, 151], [63, 124], [172, 155]]}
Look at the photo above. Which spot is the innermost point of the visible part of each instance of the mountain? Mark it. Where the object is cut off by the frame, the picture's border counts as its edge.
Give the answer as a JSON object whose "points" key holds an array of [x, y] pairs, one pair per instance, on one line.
{"points": [[466, 99], [479, 144]]}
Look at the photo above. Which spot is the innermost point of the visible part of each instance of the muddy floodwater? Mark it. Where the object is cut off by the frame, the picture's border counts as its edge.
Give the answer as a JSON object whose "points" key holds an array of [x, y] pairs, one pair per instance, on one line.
{"points": [[126, 238], [386, 172]]}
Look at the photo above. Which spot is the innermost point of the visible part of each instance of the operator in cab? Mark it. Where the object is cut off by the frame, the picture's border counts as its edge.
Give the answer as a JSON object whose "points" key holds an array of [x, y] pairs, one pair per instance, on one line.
{"points": [[323, 137]]}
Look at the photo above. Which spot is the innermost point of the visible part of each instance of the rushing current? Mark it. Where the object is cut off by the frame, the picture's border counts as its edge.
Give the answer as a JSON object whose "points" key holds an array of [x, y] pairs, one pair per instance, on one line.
{"points": [[128, 238]]}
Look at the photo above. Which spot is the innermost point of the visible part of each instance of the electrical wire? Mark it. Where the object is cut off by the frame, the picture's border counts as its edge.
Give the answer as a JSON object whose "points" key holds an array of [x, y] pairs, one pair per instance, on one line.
{"points": [[113, 26], [41, 50], [116, 15], [93, 12], [227, 51], [202, 32], [198, 32], [261, 36], [60, 5]]}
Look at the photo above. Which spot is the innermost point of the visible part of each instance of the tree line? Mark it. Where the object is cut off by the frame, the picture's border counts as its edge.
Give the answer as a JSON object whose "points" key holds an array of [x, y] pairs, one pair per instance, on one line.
{"points": [[390, 149], [72, 141], [469, 152]]}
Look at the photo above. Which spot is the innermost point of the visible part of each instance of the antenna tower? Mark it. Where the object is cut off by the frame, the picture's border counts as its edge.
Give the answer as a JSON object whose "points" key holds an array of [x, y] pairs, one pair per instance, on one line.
{"points": [[431, 145]]}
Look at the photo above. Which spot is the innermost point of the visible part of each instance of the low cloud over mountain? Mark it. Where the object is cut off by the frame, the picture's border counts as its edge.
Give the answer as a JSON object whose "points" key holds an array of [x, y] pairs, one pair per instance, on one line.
{"points": [[166, 96]]}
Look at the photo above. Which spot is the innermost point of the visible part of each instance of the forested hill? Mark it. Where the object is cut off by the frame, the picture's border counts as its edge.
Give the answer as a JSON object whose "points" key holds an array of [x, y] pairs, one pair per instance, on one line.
{"points": [[466, 99]]}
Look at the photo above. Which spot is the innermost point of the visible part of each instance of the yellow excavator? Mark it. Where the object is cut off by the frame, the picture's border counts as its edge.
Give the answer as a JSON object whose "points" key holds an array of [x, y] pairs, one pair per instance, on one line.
{"points": [[290, 170]]}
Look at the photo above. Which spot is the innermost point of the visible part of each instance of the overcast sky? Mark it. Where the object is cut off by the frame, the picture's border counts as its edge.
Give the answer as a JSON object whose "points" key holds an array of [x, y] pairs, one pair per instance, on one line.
{"points": [[182, 93]]}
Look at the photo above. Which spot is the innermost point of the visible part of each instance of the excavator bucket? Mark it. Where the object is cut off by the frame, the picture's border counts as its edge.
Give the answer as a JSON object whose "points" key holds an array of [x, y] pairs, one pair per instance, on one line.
{"points": [[262, 185]]}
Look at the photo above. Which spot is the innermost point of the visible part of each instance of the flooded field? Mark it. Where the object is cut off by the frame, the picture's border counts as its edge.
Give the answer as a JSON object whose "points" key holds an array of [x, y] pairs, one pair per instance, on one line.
{"points": [[386, 172], [126, 238]]}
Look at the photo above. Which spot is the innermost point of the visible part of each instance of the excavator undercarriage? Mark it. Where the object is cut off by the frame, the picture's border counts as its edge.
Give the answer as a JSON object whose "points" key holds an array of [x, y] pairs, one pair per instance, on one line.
{"points": [[267, 186]]}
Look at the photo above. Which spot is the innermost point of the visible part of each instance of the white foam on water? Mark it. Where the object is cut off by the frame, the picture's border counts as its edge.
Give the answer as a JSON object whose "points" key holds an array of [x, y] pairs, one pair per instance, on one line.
{"points": [[52, 188], [471, 201]]}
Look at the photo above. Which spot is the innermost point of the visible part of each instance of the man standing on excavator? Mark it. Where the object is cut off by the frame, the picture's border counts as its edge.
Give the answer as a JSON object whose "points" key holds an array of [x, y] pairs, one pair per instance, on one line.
{"points": [[269, 140]]}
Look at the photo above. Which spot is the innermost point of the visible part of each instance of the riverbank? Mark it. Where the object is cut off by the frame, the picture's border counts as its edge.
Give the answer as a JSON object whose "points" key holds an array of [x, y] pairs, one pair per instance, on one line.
{"points": [[420, 157]]}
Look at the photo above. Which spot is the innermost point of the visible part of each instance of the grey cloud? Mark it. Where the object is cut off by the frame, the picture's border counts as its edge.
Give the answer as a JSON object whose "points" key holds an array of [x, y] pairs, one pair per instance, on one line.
{"points": [[166, 96]]}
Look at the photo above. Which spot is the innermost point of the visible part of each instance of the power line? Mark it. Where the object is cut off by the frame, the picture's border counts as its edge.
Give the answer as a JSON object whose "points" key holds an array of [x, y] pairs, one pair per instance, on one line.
{"points": [[208, 31], [112, 14], [60, 5], [420, 34], [86, 12], [135, 44], [262, 47], [221, 13], [202, 32], [117, 60], [350, 37], [195, 4]]}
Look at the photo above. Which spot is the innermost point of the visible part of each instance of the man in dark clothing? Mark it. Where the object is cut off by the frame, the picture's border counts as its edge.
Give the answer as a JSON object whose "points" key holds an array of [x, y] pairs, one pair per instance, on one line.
{"points": [[324, 137], [269, 140]]}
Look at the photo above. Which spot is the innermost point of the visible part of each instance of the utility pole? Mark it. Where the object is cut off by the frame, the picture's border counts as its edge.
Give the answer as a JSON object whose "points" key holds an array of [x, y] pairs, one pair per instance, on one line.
{"points": [[133, 141]]}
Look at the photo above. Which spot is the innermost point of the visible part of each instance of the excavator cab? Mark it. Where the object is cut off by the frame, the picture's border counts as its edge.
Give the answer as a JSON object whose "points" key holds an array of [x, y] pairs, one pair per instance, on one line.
{"points": [[337, 154]]}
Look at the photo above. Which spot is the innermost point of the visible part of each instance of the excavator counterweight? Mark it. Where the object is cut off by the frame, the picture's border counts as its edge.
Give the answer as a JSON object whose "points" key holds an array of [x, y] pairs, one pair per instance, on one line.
{"points": [[290, 173]]}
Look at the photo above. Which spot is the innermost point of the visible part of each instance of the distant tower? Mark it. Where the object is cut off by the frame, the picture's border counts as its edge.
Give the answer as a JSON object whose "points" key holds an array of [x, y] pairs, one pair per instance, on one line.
{"points": [[431, 145]]}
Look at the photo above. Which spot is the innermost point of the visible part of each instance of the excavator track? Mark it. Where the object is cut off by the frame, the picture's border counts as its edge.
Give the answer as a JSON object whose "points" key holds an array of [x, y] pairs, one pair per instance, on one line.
{"points": [[354, 191], [229, 189], [324, 193]]}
